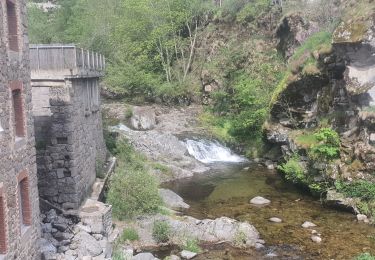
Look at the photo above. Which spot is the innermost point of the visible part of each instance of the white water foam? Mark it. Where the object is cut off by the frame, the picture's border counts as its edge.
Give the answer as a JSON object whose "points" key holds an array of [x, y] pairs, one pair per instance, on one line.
{"points": [[211, 151]]}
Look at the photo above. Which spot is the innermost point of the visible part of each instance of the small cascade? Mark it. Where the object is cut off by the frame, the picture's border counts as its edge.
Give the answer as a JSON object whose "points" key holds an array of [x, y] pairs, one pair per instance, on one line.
{"points": [[211, 151]]}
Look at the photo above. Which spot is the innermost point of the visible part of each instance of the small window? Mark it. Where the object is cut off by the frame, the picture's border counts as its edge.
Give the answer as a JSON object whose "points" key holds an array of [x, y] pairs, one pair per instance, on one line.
{"points": [[12, 25], [18, 114], [3, 237], [24, 202]]}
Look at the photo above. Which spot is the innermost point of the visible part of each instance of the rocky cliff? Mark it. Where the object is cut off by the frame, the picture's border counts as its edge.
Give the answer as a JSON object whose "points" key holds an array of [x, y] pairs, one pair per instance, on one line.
{"points": [[328, 89]]}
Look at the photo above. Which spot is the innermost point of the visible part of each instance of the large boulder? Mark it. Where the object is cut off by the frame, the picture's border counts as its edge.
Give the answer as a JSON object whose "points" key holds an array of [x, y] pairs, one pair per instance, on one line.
{"points": [[143, 118], [87, 245], [172, 200]]}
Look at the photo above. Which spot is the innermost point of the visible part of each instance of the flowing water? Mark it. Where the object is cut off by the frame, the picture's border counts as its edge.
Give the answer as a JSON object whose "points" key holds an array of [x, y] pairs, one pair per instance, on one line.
{"points": [[226, 191]]}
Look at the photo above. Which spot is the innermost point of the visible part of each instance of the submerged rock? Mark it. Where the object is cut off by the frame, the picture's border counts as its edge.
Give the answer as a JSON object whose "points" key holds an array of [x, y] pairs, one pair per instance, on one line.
{"points": [[259, 201], [172, 200], [316, 239], [362, 218], [275, 220], [308, 224]]}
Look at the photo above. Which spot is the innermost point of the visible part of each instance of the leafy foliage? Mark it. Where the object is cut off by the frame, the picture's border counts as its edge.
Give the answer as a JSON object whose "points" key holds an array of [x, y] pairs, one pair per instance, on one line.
{"points": [[161, 231], [133, 190], [328, 147], [293, 170], [364, 190]]}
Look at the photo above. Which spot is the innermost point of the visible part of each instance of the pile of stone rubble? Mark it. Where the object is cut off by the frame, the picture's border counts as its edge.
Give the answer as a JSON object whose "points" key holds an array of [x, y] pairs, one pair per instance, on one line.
{"points": [[72, 238]]}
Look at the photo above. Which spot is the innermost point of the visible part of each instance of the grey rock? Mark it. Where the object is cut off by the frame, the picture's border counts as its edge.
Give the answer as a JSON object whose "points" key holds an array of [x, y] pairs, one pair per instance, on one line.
{"points": [[46, 227], [81, 227], [187, 254], [46, 246], [143, 118], [144, 256], [174, 257], [362, 218], [60, 226], [308, 224], [87, 245], [316, 239], [172, 200], [48, 256], [62, 249], [259, 201]]}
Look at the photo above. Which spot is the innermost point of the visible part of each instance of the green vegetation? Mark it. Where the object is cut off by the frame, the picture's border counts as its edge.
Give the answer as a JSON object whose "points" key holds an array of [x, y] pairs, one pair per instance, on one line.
{"points": [[293, 170], [118, 255], [306, 140], [251, 11], [365, 256], [129, 234], [161, 231], [192, 245], [358, 189], [328, 147], [133, 190]]}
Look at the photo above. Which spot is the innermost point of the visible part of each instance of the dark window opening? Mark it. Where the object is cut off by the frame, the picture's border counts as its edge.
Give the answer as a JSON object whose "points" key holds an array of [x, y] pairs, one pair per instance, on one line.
{"points": [[12, 26], [18, 113]]}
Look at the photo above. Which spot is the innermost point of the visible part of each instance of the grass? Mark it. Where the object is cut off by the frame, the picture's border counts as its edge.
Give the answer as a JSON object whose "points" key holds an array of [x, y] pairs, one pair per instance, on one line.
{"points": [[129, 234], [161, 231], [192, 245], [306, 140]]}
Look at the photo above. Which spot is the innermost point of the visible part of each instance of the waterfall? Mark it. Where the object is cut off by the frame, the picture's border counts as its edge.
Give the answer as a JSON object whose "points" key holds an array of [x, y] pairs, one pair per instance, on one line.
{"points": [[211, 151]]}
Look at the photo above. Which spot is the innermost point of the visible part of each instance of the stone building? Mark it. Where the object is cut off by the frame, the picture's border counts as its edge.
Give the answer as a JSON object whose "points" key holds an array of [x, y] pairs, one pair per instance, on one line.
{"points": [[19, 204], [68, 124]]}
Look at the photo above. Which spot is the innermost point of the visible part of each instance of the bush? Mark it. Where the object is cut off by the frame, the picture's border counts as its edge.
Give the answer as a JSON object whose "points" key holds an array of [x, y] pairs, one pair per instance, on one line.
{"points": [[365, 256], [364, 190], [293, 170], [133, 190], [129, 234], [252, 10], [192, 245], [161, 231], [328, 147]]}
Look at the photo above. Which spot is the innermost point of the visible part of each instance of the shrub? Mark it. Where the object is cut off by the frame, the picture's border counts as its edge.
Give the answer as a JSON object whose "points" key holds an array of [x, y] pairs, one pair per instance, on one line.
{"points": [[365, 256], [161, 231], [252, 10], [192, 245], [293, 170], [364, 190], [117, 255], [129, 234], [328, 147], [133, 190]]}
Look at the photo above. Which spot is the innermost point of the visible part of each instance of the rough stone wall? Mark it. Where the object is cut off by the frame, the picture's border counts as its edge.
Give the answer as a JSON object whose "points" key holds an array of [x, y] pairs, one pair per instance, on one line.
{"points": [[17, 156], [69, 139]]}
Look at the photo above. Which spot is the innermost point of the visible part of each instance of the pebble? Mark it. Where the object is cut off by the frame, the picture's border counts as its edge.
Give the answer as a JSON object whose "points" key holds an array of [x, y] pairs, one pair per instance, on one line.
{"points": [[316, 239], [259, 201], [308, 224], [275, 220]]}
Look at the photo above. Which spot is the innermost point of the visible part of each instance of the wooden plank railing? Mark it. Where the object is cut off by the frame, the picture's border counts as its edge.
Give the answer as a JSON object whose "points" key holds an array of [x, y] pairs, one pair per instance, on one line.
{"points": [[61, 57]]}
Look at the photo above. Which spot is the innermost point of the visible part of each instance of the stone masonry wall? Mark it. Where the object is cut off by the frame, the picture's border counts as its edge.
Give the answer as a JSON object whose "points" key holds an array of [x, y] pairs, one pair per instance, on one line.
{"points": [[17, 155], [69, 139]]}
